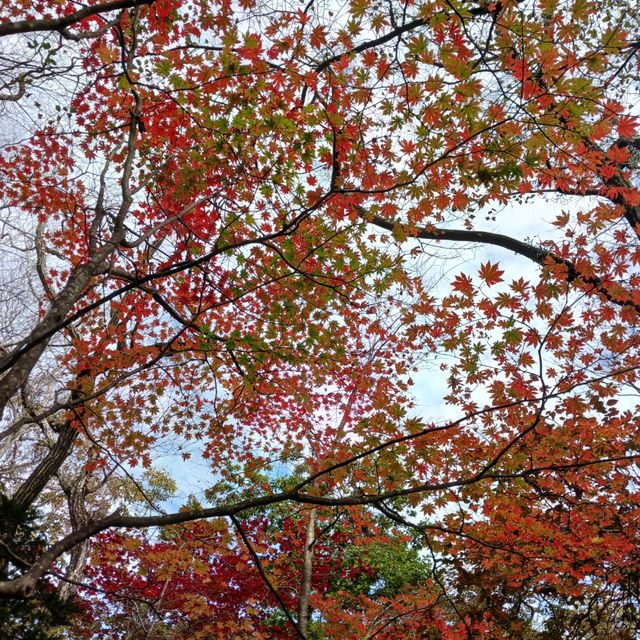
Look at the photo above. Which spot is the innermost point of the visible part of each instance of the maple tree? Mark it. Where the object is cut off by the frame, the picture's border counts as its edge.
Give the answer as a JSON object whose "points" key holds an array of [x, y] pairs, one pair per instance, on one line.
{"points": [[227, 233]]}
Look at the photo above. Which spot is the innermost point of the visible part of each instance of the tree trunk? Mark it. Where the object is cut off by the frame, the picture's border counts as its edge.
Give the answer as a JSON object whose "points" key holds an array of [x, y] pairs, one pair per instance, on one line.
{"points": [[76, 498], [307, 569]]}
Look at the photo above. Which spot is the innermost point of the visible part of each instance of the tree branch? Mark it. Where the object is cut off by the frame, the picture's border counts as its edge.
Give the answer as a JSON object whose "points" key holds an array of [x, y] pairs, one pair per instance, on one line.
{"points": [[535, 254], [59, 24], [265, 578]]}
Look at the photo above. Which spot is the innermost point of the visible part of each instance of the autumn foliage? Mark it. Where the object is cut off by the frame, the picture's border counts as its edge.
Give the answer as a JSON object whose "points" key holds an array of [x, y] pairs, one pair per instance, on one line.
{"points": [[320, 321]]}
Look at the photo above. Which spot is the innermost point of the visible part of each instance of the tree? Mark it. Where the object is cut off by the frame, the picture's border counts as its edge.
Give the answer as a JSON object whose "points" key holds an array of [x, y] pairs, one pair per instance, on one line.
{"points": [[222, 225], [169, 587]]}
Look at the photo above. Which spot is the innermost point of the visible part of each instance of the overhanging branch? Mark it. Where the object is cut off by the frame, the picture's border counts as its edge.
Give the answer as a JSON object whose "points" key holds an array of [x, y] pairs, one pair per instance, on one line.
{"points": [[24, 586], [59, 24], [538, 255]]}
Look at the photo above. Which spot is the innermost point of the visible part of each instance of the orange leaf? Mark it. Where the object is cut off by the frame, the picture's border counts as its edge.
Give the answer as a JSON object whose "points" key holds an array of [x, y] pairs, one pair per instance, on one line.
{"points": [[490, 273]]}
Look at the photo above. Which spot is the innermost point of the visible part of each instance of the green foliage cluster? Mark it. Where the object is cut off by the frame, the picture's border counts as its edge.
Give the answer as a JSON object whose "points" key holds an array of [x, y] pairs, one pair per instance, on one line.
{"points": [[44, 616]]}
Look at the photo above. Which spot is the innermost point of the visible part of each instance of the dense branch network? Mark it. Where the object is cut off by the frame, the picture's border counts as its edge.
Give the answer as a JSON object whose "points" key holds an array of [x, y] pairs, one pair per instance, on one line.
{"points": [[224, 220]]}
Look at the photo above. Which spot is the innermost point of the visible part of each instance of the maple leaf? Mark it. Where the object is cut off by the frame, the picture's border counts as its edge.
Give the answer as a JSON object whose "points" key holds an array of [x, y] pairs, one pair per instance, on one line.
{"points": [[617, 154], [490, 273], [463, 284], [627, 126]]}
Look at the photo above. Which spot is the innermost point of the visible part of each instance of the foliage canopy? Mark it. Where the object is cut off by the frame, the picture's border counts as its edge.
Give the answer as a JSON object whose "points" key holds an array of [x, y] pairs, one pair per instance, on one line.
{"points": [[233, 239]]}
